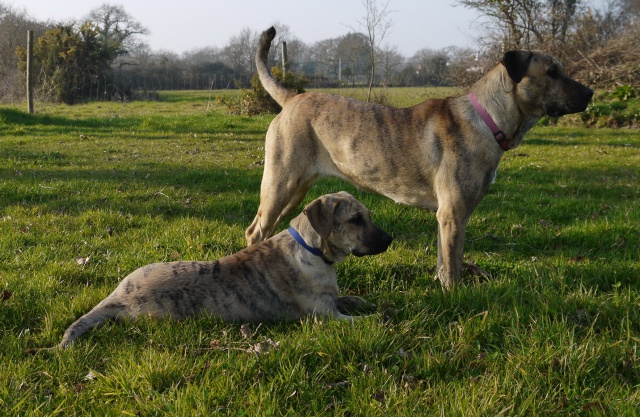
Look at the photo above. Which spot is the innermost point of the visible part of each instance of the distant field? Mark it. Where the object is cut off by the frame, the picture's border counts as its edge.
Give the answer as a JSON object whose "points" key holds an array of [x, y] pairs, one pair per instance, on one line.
{"points": [[398, 97], [91, 192]]}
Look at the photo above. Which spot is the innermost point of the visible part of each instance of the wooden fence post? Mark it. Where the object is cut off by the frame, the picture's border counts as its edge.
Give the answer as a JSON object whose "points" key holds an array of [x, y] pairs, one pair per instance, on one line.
{"points": [[29, 72], [284, 59]]}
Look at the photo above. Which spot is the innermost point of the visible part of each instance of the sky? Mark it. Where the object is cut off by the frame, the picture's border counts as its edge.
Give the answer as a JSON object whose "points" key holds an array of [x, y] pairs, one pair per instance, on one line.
{"points": [[186, 25]]}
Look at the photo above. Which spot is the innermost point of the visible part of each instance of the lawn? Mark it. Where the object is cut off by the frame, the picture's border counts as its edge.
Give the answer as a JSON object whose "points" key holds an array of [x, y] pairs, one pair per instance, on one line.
{"points": [[91, 192]]}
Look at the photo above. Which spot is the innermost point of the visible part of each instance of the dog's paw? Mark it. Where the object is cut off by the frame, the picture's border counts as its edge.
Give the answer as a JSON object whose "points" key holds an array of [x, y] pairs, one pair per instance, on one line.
{"points": [[475, 270], [353, 304]]}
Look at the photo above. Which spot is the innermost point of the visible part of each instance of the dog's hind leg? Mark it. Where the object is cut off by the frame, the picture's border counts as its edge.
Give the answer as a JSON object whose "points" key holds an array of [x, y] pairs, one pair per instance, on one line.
{"points": [[278, 198], [295, 200], [107, 309]]}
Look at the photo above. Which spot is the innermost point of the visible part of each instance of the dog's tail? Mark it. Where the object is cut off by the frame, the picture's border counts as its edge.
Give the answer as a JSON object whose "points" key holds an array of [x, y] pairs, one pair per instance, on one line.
{"points": [[279, 93], [105, 310]]}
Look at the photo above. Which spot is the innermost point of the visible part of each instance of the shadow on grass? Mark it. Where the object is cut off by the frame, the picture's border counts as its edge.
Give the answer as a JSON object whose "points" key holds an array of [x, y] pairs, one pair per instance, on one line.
{"points": [[18, 117], [195, 123], [571, 136], [173, 192]]}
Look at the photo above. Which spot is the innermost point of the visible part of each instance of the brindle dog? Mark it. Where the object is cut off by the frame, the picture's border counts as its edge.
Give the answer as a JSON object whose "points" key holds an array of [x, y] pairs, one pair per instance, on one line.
{"points": [[439, 155], [285, 277]]}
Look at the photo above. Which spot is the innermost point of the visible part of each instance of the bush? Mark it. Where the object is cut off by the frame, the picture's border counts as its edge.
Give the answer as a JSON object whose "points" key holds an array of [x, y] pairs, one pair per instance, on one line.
{"points": [[256, 100], [618, 108], [71, 62]]}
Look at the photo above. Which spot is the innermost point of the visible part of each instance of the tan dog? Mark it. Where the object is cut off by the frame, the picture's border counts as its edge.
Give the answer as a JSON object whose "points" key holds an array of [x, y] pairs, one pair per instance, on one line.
{"points": [[439, 155], [285, 277]]}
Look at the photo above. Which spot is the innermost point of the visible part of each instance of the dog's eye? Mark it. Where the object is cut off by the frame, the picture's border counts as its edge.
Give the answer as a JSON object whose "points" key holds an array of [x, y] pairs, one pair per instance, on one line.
{"points": [[357, 219], [552, 72]]}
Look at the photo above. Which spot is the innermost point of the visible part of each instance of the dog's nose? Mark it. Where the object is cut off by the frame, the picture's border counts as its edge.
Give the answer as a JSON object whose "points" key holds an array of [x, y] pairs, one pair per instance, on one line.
{"points": [[385, 239], [588, 93]]}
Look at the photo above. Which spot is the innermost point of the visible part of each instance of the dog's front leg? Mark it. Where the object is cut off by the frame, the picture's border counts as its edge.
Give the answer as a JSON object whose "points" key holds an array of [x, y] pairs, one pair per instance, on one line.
{"points": [[338, 315], [452, 226], [353, 304]]}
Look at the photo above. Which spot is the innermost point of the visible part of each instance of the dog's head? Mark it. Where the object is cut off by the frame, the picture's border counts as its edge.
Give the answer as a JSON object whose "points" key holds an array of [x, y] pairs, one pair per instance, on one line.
{"points": [[345, 227], [542, 86]]}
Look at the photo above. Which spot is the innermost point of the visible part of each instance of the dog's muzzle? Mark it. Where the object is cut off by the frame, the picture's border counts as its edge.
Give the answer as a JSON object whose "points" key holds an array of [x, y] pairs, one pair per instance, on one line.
{"points": [[578, 101], [377, 242]]}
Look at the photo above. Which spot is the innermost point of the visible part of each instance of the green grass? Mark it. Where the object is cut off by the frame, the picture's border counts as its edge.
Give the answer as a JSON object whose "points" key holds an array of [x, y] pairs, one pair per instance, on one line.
{"points": [[554, 331]]}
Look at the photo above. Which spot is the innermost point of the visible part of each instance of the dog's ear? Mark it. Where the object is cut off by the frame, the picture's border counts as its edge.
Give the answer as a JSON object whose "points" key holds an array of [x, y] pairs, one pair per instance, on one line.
{"points": [[320, 213], [517, 64]]}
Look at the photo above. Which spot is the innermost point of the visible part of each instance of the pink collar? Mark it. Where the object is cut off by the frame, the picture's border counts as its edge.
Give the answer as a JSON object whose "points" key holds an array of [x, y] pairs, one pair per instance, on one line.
{"points": [[497, 133]]}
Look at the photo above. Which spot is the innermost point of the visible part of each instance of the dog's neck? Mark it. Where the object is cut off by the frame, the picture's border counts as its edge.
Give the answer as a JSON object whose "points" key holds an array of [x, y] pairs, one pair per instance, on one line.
{"points": [[488, 120], [313, 250], [312, 240], [496, 93], [330, 252]]}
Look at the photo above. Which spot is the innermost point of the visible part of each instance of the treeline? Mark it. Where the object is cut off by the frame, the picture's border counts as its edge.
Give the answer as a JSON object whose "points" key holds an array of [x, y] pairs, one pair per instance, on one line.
{"points": [[103, 56], [599, 45]]}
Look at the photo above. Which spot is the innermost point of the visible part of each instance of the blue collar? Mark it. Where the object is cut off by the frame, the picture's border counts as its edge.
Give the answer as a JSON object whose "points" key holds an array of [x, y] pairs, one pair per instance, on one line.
{"points": [[317, 252]]}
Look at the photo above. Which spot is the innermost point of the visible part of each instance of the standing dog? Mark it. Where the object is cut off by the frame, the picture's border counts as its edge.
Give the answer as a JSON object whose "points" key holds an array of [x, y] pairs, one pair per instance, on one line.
{"points": [[439, 155], [285, 277]]}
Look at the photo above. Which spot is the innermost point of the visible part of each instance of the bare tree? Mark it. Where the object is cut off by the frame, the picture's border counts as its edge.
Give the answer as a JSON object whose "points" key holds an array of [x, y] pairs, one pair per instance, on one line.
{"points": [[432, 66], [597, 44], [283, 34], [604, 45], [118, 30], [239, 53], [514, 22], [353, 52], [201, 56], [376, 23], [526, 24], [464, 67], [325, 53], [14, 24], [296, 52], [390, 60]]}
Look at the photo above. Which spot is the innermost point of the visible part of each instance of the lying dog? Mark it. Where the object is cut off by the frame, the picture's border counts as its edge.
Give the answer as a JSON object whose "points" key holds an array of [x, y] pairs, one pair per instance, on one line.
{"points": [[439, 155], [285, 277]]}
